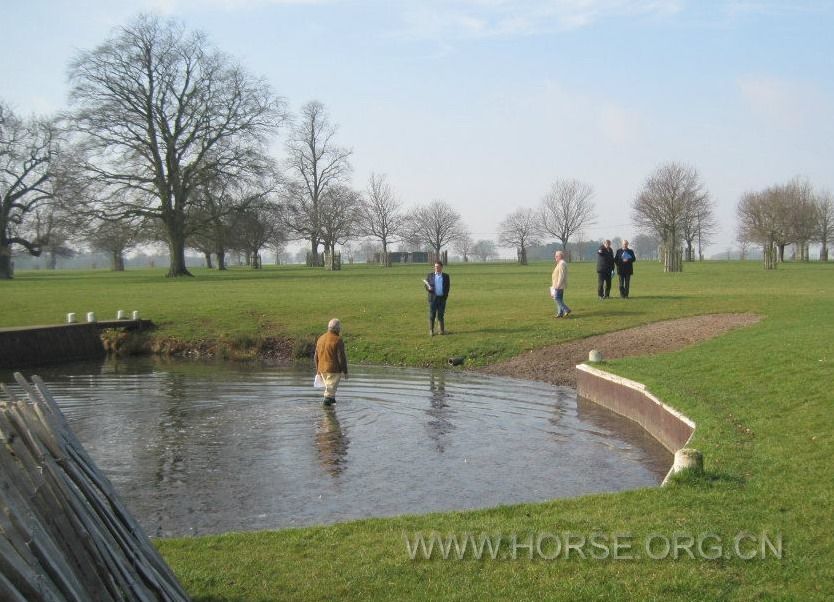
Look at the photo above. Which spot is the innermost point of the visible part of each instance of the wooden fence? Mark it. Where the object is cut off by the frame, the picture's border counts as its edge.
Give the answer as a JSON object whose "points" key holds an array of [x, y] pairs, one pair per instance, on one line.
{"points": [[64, 533]]}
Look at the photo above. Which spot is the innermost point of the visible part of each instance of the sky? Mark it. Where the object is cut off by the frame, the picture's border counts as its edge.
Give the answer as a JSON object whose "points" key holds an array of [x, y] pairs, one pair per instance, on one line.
{"points": [[485, 103]]}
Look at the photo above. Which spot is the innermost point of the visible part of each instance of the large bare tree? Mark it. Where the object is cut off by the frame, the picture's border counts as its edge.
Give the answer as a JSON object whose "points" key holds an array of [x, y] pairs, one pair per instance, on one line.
{"points": [[381, 216], [316, 164], [435, 225], [521, 229], [567, 209], [161, 112], [670, 196], [28, 157]]}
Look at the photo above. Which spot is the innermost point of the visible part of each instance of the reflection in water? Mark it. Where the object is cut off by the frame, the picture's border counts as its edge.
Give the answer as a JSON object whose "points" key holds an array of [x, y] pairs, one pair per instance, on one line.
{"points": [[439, 424], [199, 448], [331, 441]]}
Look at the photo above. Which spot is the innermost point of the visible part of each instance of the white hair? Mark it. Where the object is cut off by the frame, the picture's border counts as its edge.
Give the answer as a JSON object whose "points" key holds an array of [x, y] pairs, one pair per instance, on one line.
{"points": [[334, 325]]}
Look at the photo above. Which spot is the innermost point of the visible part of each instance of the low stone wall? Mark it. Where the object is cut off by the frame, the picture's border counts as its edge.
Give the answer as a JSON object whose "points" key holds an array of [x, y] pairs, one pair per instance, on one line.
{"points": [[631, 399], [35, 345]]}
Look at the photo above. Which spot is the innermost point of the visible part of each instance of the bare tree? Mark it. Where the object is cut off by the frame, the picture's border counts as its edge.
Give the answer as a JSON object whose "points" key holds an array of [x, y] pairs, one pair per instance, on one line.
{"points": [[669, 197], [802, 215], [161, 112], [463, 244], [115, 238], [221, 204], [28, 157], [256, 227], [761, 220], [484, 250], [339, 211], [316, 165], [698, 226], [567, 209], [435, 225], [644, 245], [824, 232], [520, 230], [381, 217], [55, 231]]}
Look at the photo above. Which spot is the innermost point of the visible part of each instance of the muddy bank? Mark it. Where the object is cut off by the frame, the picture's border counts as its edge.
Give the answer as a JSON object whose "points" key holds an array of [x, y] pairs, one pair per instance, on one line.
{"points": [[556, 364]]}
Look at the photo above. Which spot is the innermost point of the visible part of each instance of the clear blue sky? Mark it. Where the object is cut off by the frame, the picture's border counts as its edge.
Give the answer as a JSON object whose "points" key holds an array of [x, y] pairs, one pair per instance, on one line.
{"points": [[483, 103]]}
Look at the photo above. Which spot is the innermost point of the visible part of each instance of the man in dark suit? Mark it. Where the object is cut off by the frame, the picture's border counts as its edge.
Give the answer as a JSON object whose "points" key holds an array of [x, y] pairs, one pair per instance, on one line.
{"points": [[605, 267], [438, 285]]}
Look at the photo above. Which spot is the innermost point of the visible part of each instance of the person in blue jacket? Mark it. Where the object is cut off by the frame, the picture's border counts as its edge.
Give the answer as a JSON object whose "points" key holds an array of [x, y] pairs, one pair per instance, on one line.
{"points": [[625, 259]]}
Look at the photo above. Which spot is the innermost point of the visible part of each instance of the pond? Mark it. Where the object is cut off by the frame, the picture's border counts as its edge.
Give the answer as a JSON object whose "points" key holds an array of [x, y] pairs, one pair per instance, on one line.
{"points": [[199, 448]]}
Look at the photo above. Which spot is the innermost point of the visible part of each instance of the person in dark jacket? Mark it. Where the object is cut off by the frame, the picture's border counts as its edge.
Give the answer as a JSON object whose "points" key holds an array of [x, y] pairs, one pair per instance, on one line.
{"points": [[625, 259], [438, 285], [605, 268]]}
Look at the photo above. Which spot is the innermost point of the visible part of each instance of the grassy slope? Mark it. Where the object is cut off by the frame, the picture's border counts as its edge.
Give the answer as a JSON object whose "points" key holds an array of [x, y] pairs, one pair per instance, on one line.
{"points": [[761, 398]]}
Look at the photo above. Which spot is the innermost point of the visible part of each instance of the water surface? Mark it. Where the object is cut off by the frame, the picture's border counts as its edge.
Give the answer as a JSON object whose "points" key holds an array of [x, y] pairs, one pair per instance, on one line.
{"points": [[209, 448]]}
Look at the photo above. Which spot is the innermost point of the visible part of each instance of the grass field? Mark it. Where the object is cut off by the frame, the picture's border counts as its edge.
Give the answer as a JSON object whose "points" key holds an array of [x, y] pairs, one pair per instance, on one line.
{"points": [[761, 396]]}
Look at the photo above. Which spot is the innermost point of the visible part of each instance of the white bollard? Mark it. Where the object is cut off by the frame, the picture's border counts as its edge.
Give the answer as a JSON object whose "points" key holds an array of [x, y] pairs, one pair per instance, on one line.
{"points": [[71, 319], [135, 315], [91, 316], [121, 315], [594, 356], [688, 458]]}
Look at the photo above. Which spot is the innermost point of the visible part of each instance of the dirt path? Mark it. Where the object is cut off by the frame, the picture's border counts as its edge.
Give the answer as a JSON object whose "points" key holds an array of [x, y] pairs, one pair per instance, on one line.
{"points": [[556, 364]]}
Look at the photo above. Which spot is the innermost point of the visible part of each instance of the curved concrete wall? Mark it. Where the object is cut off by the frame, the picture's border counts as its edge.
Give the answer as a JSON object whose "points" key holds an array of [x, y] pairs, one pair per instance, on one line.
{"points": [[631, 399]]}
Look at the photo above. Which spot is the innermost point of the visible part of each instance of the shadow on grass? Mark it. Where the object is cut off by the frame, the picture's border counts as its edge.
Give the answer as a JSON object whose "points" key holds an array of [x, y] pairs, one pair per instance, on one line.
{"points": [[708, 479]]}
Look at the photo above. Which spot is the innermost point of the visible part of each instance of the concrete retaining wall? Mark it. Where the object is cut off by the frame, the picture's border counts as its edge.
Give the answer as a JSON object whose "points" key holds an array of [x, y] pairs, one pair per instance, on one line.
{"points": [[631, 399], [34, 345]]}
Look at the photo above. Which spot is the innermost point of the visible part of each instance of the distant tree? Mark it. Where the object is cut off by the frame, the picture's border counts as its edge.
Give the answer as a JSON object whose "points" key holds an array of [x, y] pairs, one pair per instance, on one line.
{"points": [[256, 227], [316, 164], [116, 238], [824, 231], [761, 220], [463, 244], [340, 210], [567, 209], [670, 196], [484, 250], [802, 215], [381, 216], [28, 164], [55, 231], [645, 246], [160, 112], [698, 226], [435, 225], [520, 229]]}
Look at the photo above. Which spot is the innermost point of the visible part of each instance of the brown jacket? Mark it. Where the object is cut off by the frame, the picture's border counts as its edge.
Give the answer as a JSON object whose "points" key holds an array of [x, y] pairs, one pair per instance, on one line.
{"points": [[330, 354]]}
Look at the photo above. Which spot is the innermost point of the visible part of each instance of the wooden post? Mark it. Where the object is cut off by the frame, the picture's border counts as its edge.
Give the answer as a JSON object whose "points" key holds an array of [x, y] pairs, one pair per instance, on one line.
{"points": [[64, 532]]}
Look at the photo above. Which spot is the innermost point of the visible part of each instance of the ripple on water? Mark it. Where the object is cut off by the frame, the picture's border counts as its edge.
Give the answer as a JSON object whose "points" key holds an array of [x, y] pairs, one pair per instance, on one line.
{"points": [[197, 448]]}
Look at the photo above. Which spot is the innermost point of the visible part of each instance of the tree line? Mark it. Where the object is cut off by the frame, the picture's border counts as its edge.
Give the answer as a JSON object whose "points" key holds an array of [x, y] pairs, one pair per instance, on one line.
{"points": [[166, 138]]}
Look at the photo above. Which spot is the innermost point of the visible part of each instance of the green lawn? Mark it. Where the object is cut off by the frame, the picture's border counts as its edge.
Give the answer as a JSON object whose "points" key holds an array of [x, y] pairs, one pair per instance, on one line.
{"points": [[761, 396]]}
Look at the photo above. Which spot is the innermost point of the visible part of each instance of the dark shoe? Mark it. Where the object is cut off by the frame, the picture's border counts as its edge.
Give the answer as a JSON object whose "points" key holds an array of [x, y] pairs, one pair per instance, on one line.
{"points": [[329, 401]]}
